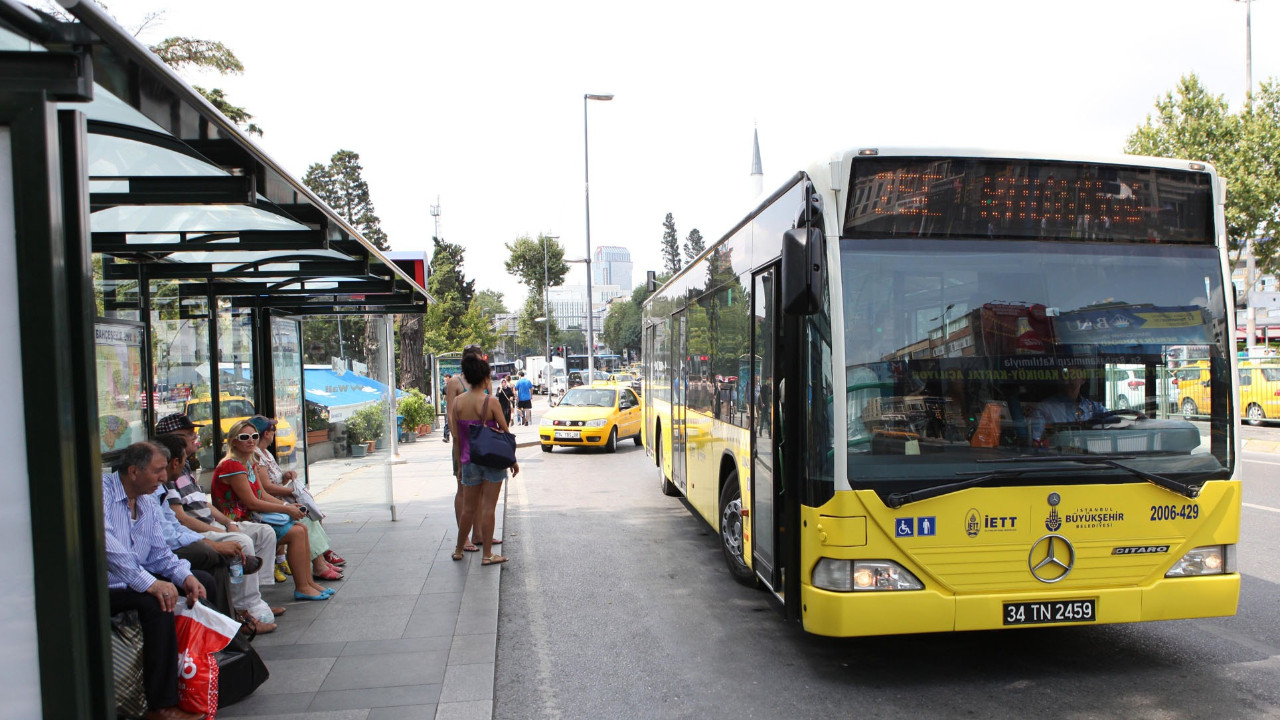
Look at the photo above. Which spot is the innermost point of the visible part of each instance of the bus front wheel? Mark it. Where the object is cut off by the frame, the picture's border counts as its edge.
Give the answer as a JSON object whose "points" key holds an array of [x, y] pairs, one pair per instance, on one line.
{"points": [[731, 532]]}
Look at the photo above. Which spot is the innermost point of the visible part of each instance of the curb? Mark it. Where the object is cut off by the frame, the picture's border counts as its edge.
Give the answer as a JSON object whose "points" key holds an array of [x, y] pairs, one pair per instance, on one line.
{"points": [[1261, 446]]}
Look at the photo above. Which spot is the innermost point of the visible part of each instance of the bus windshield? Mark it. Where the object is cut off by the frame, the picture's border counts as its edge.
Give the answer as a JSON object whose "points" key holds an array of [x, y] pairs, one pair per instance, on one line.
{"points": [[960, 351]]}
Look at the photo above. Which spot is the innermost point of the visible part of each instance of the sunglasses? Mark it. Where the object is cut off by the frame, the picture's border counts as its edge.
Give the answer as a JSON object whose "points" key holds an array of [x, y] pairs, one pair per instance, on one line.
{"points": [[248, 436]]}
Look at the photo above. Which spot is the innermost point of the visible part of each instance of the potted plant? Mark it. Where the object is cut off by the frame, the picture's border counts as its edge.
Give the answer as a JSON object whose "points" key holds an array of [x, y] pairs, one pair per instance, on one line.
{"points": [[376, 422], [414, 409], [317, 418], [357, 434]]}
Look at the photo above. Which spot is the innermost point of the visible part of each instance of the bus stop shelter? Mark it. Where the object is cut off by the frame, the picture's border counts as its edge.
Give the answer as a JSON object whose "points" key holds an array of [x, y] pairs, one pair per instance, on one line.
{"points": [[150, 254]]}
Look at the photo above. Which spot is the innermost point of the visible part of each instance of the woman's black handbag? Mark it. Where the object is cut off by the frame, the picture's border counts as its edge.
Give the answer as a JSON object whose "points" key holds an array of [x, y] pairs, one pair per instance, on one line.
{"points": [[491, 447]]}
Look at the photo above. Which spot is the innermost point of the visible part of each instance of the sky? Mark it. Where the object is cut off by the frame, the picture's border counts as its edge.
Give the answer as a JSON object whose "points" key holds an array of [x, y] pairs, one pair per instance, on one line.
{"points": [[481, 104]]}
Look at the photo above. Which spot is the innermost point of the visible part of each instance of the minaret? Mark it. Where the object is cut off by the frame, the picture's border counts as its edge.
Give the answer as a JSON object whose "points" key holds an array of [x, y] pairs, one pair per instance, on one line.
{"points": [[757, 172]]}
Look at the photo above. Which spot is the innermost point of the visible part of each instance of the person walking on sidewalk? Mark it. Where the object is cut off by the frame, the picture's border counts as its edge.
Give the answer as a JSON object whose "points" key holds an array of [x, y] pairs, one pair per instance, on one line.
{"points": [[524, 399], [481, 485]]}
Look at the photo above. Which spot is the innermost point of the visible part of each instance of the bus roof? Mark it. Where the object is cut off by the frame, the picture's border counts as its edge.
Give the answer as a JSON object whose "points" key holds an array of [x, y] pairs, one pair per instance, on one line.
{"points": [[1107, 159]]}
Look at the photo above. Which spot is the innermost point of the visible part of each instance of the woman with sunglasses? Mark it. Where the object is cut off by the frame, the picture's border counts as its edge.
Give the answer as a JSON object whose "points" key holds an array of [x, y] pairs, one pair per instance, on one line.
{"points": [[274, 480], [236, 492]]}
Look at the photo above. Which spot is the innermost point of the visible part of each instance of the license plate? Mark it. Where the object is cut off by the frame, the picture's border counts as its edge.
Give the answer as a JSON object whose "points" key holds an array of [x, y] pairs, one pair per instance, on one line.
{"points": [[568, 434], [1050, 611]]}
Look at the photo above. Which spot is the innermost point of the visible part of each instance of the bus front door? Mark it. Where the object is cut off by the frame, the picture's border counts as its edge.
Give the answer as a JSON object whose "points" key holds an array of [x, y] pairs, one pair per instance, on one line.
{"points": [[679, 391], [763, 421]]}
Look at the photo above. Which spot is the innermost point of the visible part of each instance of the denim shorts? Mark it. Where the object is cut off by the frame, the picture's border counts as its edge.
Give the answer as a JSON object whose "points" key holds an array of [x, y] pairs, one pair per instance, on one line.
{"points": [[473, 474]]}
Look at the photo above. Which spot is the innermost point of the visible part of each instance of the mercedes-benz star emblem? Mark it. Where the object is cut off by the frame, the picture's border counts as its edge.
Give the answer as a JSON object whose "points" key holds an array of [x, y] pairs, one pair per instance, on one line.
{"points": [[1051, 558]]}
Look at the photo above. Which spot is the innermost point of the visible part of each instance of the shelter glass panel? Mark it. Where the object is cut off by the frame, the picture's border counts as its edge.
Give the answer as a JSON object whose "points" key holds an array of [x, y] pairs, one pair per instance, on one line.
{"points": [[286, 365]]}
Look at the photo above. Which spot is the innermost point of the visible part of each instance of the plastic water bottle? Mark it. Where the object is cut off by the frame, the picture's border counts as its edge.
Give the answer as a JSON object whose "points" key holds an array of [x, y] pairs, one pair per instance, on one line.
{"points": [[237, 571]]}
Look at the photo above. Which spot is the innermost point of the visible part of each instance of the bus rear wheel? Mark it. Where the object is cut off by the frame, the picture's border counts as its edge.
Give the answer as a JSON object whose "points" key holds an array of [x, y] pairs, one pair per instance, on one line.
{"points": [[731, 527]]}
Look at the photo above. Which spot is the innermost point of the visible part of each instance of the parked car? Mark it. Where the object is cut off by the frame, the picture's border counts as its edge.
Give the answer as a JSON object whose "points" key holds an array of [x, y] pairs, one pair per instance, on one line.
{"points": [[592, 417], [232, 409], [1259, 392], [1193, 388]]}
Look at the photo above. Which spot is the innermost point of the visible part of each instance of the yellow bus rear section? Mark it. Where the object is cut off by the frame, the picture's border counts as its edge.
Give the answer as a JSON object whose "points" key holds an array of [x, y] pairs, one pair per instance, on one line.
{"points": [[972, 549]]}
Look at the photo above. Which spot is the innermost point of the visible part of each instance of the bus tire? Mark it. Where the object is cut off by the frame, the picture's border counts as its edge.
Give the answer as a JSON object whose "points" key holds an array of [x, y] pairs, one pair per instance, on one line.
{"points": [[611, 445], [639, 440], [731, 541], [668, 488]]}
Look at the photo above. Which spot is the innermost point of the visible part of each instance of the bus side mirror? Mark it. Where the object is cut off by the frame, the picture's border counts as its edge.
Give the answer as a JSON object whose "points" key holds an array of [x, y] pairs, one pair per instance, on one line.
{"points": [[802, 260]]}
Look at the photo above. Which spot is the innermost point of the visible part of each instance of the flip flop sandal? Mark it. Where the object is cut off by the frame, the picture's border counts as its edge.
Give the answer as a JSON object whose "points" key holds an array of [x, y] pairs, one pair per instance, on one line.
{"points": [[493, 560], [471, 548], [457, 555]]}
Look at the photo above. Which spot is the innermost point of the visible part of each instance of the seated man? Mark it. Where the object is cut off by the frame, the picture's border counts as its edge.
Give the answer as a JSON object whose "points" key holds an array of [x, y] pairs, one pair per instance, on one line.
{"points": [[193, 512], [142, 572], [1065, 406]]}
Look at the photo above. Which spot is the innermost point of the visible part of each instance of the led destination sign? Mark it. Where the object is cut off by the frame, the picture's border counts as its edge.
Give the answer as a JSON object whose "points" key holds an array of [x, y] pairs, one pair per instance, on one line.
{"points": [[1018, 199]]}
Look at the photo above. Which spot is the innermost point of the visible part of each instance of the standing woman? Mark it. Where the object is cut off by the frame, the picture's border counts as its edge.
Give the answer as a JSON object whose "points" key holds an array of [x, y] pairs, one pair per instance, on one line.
{"points": [[507, 399], [481, 485], [275, 481], [236, 492]]}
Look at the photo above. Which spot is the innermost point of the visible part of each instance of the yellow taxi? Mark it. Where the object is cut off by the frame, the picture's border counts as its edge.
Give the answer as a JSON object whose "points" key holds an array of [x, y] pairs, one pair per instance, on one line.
{"points": [[625, 379], [232, 409], [597, 416], [1192, 381], [1259, 392]]}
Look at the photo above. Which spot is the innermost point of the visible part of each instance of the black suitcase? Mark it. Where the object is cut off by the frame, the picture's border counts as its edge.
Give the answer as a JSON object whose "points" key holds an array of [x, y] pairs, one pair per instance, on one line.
{"points": [[240, 671]]}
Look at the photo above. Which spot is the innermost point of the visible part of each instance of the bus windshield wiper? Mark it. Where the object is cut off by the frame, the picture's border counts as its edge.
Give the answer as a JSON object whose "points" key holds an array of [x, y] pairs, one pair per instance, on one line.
{"points": [[1185, 489], [897, 500]]}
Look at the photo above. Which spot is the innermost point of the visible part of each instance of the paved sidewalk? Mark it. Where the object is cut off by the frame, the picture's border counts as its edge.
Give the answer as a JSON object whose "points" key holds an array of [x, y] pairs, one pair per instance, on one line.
{"points": [[409, 633]]}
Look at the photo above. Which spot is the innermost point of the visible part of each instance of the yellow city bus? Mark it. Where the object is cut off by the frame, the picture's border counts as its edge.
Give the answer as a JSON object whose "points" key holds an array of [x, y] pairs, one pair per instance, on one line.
{"points": [[974, 307]]}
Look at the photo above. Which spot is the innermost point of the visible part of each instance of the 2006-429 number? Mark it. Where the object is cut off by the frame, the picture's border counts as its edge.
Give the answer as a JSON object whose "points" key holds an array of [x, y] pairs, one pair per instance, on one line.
{"points": [[1175, 512]]}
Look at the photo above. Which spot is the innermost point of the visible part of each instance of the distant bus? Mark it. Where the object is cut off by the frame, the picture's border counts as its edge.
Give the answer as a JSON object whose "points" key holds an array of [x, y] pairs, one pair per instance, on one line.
{"points": [[606, 363], [961, 300]]}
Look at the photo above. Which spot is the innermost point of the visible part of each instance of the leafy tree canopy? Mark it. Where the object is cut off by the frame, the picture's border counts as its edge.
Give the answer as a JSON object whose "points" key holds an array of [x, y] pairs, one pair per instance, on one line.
{"points": [[489, 302], [670, 246], [694, 245], [342, 186], [532, 260], [1191, 123]]}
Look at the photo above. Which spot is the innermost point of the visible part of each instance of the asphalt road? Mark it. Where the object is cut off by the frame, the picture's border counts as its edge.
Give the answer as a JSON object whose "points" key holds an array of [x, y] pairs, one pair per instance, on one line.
{"points": [[616, 604]]}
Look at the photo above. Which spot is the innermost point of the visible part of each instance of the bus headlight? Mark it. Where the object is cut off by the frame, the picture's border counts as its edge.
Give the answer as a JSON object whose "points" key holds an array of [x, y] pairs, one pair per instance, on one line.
{"points": [[546, 422], [1208, 560], [863, 575]]}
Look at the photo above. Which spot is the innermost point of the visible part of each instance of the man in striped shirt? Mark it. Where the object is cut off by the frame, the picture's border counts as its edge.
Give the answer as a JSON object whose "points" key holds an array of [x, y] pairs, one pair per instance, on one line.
{"points": [[143, 574]]}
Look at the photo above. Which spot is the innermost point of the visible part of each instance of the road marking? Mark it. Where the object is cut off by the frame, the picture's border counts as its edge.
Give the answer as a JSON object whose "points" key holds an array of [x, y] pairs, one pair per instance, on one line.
{"points": [[1261, 507], [1260, 462]]}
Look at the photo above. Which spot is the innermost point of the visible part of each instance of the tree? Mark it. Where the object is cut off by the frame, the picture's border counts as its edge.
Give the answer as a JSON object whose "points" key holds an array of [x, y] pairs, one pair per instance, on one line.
{"points": [[622, 326], [693, 245], [451, 322], [181, 53], [670, 246], [342, 186], [532, 260], [1192, 124], [490, 303], [409, 355]]}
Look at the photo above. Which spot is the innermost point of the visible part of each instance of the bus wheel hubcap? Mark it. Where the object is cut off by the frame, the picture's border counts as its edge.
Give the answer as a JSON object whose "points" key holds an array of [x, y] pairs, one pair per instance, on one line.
{"points": [[731, 526]]}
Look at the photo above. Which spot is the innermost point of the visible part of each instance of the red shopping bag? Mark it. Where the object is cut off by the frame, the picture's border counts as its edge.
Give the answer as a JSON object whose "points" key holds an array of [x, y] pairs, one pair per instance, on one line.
{"points": [[202, 631]]}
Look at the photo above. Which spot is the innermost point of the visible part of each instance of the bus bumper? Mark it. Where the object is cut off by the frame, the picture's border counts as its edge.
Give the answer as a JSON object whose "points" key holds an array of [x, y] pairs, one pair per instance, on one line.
{"points": [[889, 613]]}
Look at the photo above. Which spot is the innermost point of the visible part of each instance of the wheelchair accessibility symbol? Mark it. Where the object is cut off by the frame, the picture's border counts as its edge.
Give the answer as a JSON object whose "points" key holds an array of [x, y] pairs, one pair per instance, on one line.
{"points": [[906, 527]]}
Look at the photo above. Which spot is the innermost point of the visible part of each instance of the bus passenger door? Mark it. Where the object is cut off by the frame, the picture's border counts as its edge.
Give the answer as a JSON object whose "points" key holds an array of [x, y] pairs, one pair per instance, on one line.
{"points": [[679, 391], [764, 538]]}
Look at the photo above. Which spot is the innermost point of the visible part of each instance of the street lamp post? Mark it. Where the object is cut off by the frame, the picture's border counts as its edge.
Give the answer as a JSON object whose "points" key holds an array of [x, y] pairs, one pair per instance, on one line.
{"points": [[546, 297], [586, 181]]}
